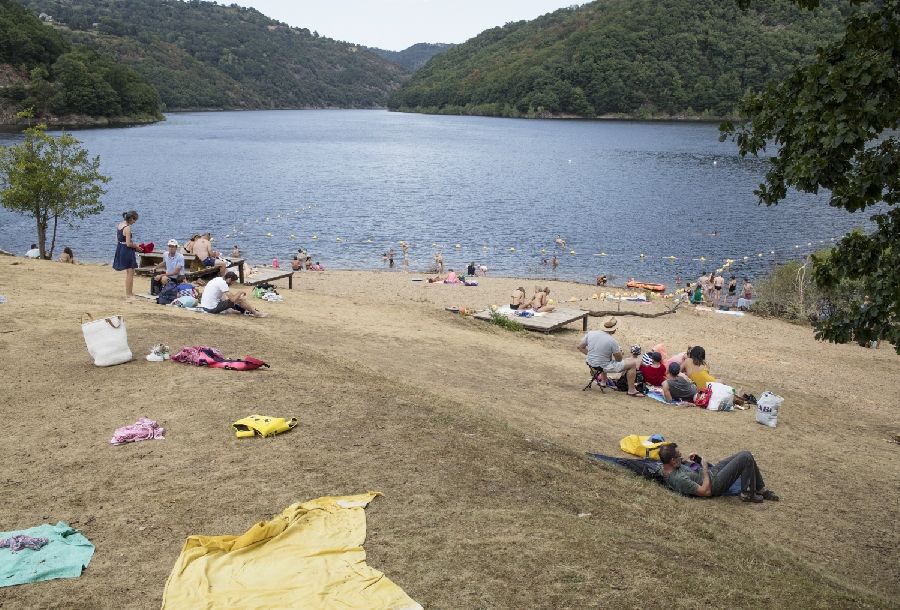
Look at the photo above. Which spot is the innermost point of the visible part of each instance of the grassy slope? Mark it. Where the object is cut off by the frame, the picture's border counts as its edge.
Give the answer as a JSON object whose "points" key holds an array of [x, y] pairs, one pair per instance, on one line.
{"points": [[480, 511]]}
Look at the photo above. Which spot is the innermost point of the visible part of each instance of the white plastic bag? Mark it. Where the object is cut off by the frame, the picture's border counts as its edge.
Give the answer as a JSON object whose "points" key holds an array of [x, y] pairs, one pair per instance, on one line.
{"points": [[107, 340], [722, 398], [767, 408]]}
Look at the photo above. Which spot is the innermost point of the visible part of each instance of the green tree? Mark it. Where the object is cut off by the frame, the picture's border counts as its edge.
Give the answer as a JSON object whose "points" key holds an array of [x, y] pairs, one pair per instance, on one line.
{"points": [[51, 179], [832, 125]]}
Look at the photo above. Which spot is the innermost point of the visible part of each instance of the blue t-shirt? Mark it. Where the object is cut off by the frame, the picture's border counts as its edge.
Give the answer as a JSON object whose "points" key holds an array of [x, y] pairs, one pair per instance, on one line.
{"points": [[173, 263]]}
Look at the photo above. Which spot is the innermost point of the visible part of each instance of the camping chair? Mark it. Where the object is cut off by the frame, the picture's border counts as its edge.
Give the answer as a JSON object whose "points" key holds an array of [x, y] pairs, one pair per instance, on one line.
{"points": [[596, 371]]}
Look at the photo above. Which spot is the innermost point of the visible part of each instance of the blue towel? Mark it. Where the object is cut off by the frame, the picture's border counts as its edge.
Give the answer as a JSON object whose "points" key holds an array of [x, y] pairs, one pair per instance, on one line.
{"points": [[64, 556]]}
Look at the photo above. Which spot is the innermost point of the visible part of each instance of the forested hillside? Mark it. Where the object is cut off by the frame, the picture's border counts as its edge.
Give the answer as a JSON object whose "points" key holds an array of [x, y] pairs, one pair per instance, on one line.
{"points": [[42, 75], [416, 56], [623, 57], [203, 55]]}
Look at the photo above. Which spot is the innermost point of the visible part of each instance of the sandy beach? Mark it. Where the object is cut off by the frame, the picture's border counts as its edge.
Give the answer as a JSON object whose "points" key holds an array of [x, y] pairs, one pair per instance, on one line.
{"points": [[476, 436]]}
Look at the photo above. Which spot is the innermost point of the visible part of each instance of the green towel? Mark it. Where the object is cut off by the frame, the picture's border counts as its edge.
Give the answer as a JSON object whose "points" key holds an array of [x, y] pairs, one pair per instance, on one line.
{"points": [[64, 556]]}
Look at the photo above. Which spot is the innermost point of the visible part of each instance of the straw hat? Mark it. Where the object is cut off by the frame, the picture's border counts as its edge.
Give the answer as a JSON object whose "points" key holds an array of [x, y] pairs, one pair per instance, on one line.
{"points": [[610, 324]]}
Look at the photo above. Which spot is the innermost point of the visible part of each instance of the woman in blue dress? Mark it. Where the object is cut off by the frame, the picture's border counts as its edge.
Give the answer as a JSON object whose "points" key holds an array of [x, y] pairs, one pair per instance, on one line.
{"points": [[125, 259]]}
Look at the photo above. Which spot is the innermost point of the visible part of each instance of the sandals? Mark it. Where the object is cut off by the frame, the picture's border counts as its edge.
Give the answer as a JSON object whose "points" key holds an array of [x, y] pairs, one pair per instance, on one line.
{"points": [[769, 495], [755, 498], [635, 395]]}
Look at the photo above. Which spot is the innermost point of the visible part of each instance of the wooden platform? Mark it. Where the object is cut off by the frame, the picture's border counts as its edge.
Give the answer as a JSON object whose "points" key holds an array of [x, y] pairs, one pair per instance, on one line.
{"points": [[194, 268], [269, 275], [546, 323]]}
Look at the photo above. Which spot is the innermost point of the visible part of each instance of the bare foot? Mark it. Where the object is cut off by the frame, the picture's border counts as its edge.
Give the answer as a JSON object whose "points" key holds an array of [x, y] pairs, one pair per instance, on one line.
{"points": [[259, 314], [131, 298]]}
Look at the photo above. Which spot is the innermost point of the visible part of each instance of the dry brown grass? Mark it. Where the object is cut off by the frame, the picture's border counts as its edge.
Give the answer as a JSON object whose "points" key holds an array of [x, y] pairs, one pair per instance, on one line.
{"points": [[475, 435]]}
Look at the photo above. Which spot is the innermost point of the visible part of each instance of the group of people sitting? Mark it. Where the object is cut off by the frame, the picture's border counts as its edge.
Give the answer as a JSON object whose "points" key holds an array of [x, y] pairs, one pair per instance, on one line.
{"points": [[302, 261], [67, 255], [539, 302], [217, 297], [678, 377]]}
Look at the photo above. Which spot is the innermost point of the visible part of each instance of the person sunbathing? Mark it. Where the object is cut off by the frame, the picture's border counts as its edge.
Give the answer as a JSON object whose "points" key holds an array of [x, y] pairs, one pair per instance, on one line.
{"points": [[539, 302], [517, 298]]}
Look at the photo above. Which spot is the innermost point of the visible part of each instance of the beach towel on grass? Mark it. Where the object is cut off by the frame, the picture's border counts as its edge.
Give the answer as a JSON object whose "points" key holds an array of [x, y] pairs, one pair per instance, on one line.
{"points": [[64, 556], [309, 556], [650, 469]]}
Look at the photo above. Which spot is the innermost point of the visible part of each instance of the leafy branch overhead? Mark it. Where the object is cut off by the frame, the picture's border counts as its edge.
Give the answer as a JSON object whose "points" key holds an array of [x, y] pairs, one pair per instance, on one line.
{"points": [[50, 179], [831, 126]]}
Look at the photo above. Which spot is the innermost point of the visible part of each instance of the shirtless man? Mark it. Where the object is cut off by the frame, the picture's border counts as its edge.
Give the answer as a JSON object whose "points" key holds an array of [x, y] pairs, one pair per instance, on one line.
{"points": [[203, 250], [560, 241], [718, 284]]}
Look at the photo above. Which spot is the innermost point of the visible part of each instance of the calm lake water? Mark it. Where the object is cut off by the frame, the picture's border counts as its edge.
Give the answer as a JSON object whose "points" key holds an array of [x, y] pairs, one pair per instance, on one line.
{"points": [[619, 188]]}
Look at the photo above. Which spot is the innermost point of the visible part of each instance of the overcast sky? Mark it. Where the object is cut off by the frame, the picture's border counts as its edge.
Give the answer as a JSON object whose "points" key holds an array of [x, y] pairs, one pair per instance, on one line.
{"points": [[398, 24]]}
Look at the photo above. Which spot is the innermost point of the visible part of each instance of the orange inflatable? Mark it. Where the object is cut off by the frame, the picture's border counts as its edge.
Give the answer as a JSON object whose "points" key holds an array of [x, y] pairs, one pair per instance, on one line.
{"points": [[646, 286]]}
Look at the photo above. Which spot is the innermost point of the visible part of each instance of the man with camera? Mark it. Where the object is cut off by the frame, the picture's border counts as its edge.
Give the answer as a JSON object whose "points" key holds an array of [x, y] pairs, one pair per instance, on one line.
{"points": [[713, 480]]}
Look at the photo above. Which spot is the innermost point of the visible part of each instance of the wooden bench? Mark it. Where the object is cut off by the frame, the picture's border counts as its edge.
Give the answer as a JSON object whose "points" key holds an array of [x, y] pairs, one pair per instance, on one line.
{"points": [[270, 275], [194, 267]]}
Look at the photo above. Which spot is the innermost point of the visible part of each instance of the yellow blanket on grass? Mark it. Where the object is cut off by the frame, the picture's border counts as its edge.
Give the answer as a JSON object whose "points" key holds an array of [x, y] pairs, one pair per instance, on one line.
{"points": [[309, 556]]}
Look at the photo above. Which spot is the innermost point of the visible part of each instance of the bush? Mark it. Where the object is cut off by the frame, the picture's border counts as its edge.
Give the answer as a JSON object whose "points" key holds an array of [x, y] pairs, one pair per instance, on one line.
{"points": [[503, 322], [788, 292]]}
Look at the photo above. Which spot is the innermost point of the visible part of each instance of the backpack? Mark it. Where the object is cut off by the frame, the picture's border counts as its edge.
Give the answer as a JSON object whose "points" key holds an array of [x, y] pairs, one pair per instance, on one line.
{"points": [[622, 383], [168, 294], [641, 446]]}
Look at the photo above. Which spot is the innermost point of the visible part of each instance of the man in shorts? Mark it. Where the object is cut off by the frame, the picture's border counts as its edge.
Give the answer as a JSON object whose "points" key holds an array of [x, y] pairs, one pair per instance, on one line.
{"points": [[602, 350], [718, 284], [171, 267], [218, 298], [204, 251]]}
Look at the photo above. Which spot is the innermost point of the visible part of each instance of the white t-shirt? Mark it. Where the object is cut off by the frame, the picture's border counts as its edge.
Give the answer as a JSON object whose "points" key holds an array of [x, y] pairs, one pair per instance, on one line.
{"points": [[33, 253], [213, 293], [601, 347]]}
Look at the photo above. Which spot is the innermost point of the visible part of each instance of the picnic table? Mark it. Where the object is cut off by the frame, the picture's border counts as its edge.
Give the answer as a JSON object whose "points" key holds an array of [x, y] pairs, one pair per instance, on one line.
{"points": [[548, 322], [268, 274], [194, 267]]}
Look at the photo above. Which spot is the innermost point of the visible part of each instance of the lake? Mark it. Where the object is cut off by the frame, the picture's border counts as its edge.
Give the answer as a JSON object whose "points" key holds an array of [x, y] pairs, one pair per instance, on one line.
{"points": [[500, 189]]}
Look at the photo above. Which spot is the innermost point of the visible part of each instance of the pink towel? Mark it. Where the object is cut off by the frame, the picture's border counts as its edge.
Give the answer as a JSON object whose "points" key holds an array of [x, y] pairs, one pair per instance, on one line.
{"points": [[143, 430]]}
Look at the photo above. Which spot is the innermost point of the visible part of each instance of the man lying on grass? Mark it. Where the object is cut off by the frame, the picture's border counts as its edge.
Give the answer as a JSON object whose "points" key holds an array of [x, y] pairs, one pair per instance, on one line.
{"points": [[218, 298], [716, 479]]}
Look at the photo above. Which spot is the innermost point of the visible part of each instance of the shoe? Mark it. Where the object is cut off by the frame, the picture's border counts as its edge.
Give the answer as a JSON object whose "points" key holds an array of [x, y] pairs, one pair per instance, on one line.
{"points": [[750, 398], [755, 498], [769, 495], [156, 354], [165, 353]]}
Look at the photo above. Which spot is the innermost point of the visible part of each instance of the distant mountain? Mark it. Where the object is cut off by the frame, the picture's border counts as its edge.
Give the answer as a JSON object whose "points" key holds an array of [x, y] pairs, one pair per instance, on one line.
{"points": [[200, 55], [415, 56], [43, 75], [632, 58]]}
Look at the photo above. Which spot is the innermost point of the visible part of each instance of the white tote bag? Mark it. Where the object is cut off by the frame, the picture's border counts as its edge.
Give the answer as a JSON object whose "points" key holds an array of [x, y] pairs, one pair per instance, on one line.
{"points": [[767, 406], [107, 340]]}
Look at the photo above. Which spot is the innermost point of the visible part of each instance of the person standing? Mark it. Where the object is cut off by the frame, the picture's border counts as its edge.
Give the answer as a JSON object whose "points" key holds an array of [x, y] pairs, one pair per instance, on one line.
{"points": [[470, 270], [125, 258]]}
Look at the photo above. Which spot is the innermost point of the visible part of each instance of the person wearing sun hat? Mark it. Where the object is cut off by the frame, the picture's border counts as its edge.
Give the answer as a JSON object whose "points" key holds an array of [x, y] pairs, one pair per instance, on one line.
{"points": [[602, 350], [171, 267]]}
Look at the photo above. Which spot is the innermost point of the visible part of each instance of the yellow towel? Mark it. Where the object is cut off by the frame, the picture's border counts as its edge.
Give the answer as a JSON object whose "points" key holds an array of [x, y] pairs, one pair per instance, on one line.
{"points": [[309, 556]]}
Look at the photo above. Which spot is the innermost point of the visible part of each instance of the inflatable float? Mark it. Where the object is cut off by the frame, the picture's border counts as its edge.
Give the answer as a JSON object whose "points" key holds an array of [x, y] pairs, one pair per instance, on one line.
{"points": [[646, 286]]}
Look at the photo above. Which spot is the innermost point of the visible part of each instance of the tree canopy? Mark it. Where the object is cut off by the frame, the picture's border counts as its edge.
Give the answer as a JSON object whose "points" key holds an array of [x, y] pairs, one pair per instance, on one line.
{"points": [[66, 81], [51, 179], [624, 57], [206, 55], [832, 126]]}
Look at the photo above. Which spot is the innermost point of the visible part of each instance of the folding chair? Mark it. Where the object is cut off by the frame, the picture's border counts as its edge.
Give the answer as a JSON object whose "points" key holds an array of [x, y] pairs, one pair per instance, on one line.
{"points": [[596, 371]]}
